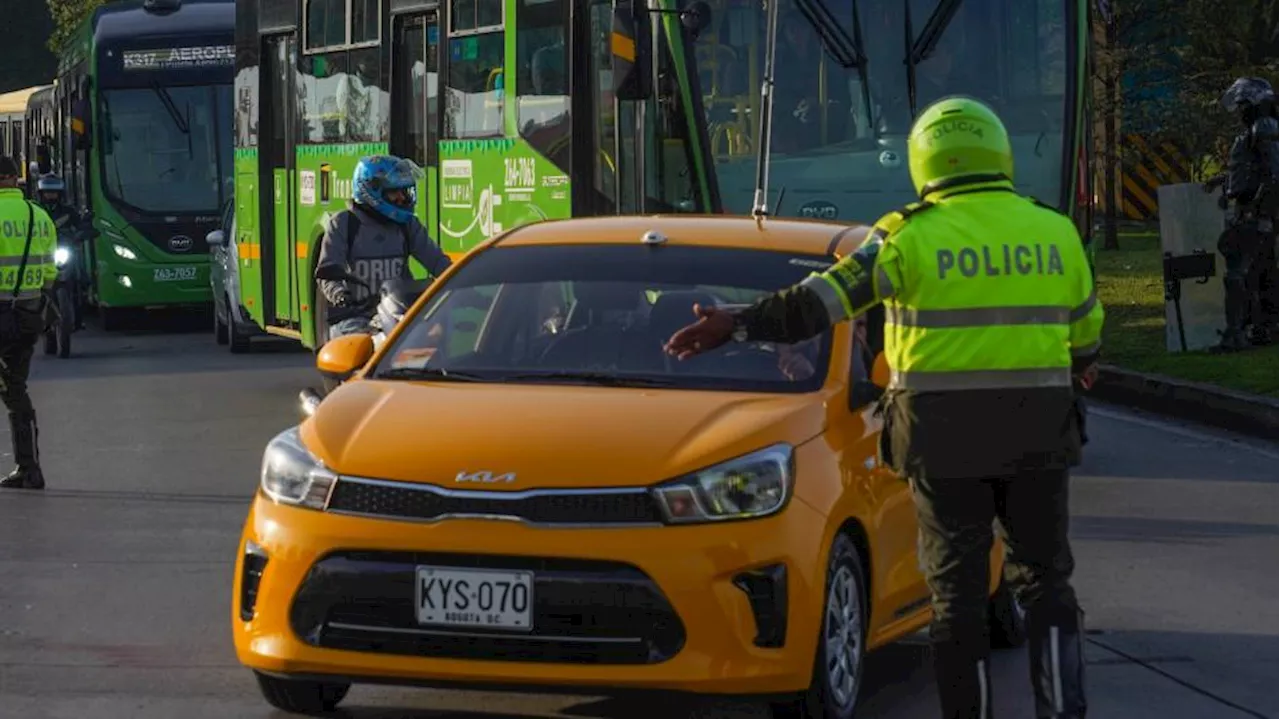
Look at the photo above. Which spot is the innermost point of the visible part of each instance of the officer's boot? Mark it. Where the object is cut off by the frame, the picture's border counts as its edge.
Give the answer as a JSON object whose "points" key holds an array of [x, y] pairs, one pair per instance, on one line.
{"points": [[964, 684], [1056, 649], [26, 453]]}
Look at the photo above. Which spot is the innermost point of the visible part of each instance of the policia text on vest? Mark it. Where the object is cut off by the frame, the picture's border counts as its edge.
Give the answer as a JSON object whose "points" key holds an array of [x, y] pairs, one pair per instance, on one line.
{"points": [[990, 310], [28, 241]]}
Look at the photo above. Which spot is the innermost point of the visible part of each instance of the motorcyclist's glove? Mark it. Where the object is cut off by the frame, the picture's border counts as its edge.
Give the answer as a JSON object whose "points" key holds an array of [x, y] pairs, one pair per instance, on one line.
{"points": [[343, 299]]}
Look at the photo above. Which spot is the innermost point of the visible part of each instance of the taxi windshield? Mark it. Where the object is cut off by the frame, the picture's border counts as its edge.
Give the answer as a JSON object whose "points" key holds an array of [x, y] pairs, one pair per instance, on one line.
{"points": [[600, 314]]}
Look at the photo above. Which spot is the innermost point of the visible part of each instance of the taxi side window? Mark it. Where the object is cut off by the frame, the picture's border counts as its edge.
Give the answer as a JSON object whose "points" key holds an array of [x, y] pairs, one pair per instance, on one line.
{"points": [[861, 391]]}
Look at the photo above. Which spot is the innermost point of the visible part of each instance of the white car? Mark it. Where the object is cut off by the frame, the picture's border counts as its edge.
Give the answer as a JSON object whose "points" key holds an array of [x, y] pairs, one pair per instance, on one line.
{"points": [[232, 324]]}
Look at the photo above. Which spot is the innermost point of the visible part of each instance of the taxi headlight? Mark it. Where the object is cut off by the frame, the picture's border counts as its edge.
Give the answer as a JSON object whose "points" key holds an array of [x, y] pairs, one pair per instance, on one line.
{"points": [[292, 475], [754, 485], [61, 256]]}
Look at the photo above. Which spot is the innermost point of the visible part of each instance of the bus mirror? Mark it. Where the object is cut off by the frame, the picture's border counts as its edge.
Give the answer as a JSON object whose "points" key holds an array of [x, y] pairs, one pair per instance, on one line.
{"points": [[80, 125], [631, 47]]}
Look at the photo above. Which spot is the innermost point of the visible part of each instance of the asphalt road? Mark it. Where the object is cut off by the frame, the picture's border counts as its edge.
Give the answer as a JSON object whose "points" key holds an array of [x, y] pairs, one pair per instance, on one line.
{"points": [[115, 582]]}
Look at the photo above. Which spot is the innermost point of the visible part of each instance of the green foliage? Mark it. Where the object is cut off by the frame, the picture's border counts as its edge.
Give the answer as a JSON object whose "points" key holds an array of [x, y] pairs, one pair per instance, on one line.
{"points": [[1177, 57], [27, 61], [67, 15]]}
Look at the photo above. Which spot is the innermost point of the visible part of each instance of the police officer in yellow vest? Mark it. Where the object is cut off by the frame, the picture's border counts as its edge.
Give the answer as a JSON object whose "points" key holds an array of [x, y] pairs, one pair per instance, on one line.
{"points": [[28, 240], [989, 311]]}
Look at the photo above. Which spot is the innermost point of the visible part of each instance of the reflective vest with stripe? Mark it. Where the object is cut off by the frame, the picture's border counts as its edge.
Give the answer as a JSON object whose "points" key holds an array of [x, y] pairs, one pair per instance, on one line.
{"points": [[982, 290], [40, 269]]}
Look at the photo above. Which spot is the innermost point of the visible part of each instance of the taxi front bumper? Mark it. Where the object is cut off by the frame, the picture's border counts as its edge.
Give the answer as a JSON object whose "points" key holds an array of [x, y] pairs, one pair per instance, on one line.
{"points": [[730, 608]]}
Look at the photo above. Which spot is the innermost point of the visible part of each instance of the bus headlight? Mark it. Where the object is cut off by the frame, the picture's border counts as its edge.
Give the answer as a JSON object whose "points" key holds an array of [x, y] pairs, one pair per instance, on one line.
{"points": [[754, 485], [125, 252], [61, 256]]}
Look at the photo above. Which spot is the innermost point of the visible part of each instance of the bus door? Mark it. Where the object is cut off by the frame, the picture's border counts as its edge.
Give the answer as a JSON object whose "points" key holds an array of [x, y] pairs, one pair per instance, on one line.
{"points": [[277, 136], [415, 115]]}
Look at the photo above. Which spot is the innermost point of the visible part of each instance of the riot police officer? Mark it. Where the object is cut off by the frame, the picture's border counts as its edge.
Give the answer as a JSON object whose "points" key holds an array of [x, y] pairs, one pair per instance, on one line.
{"points": [[990, 309], [28, 240], [1248, 245]]}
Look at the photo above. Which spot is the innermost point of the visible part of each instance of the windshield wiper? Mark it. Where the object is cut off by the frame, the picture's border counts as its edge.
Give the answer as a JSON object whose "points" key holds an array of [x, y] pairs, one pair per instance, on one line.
{"points": [[921, 47], [431, 373], [167, 100], [600, 378]]}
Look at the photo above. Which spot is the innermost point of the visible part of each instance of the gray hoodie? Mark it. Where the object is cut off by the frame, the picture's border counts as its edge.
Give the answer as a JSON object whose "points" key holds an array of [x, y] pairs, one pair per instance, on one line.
{"points": [[379, 251]]}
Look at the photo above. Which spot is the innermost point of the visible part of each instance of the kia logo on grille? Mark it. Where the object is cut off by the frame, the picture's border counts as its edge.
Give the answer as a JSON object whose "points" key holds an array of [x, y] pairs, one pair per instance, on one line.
{"points": [[180, 243]]}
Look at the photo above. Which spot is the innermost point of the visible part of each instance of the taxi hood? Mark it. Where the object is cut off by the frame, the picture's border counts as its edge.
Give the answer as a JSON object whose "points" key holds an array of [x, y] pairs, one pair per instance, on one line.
{"points": [[549, 435]]}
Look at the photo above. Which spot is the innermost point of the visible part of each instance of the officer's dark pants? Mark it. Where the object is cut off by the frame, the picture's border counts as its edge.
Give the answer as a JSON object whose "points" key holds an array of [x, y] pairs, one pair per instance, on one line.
{"points": [[15, 366], [1248, 283], [956, 535]]}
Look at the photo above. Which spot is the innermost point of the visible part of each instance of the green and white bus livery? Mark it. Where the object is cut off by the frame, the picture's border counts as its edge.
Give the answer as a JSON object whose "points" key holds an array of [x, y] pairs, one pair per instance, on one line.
{"points": [[144, 93]]}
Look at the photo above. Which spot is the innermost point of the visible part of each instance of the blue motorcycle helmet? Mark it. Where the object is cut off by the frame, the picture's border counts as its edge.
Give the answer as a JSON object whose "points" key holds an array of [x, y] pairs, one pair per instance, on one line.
{"points": [[387, 185]]}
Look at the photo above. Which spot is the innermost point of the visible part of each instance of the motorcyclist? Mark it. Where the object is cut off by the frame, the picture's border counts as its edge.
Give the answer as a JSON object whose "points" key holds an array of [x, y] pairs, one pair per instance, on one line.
{"points": [[50, 193], [373, 240]]}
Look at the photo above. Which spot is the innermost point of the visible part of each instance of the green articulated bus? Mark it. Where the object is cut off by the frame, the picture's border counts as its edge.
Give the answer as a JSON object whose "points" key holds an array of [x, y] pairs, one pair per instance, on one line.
{"points": [[143, 115], [523, 110]]}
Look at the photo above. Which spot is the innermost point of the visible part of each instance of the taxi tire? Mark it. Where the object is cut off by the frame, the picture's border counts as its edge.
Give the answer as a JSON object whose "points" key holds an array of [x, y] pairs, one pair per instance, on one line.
{"points": [[301, 696], [816, 701], [1007, 620]]}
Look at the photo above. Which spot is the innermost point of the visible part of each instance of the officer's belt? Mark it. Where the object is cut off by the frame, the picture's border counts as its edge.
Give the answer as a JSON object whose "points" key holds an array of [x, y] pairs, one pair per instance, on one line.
{"points": [[981, 379]]}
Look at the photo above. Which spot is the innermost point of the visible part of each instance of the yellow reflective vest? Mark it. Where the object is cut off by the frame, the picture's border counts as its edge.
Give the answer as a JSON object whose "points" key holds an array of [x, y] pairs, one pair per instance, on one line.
{"points": [[16, 214], [983, 289]]}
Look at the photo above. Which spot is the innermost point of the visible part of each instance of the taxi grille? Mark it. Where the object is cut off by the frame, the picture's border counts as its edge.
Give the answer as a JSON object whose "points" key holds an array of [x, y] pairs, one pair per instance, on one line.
{"points": [[584, 611], [426, 502]]}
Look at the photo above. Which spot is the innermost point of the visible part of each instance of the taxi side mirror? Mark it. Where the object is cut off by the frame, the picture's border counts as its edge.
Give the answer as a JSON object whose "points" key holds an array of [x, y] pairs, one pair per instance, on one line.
{"points": [[880, 371], [340, 358]]}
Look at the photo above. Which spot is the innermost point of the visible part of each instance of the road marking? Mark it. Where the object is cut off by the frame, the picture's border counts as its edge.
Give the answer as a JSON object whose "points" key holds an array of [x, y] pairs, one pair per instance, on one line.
{"points": [[1200, 435]]}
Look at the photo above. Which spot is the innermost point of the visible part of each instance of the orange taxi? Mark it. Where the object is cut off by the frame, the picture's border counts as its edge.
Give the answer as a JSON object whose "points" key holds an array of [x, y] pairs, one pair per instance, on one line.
{"points": [[520, 489]]}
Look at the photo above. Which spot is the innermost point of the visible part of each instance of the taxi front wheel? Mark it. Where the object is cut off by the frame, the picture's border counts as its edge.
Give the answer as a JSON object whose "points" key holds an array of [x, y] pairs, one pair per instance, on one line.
{"points": [[837, 667], [301, 696]]}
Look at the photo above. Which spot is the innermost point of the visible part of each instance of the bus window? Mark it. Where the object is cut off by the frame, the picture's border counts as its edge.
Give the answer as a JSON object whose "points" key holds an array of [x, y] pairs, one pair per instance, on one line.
{"points": [[543, 80], [474, 82], [416, 90]]}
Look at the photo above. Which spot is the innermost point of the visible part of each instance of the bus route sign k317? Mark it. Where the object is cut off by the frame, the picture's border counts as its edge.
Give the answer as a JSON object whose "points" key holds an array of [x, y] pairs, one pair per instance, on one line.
{"points": [[179, 57]]}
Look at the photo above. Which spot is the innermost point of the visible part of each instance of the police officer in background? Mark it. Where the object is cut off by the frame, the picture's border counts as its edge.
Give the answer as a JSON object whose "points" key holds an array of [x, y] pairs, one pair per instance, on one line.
{"points": [[51, 193], [1249, 243], [28, 240], [990, 308]]}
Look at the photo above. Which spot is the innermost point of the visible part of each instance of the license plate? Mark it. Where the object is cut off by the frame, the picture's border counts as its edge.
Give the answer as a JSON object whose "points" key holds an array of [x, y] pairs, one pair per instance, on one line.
{"points": [[471, 598], [174, 274]]}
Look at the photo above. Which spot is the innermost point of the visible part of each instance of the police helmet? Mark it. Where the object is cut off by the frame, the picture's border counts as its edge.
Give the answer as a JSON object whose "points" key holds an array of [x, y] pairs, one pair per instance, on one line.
{"points": [[955, 141]]}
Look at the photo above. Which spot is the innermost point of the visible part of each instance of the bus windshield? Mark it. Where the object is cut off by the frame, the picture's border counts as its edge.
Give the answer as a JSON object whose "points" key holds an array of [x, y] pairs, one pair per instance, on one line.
{"points": [[842, 105], [168, 149]]}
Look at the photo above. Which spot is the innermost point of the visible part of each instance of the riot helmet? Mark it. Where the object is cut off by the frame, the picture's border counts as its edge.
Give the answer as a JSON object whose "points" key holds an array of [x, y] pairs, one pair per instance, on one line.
{"points": [[956, 141], [387, 185], [1249, 97]]}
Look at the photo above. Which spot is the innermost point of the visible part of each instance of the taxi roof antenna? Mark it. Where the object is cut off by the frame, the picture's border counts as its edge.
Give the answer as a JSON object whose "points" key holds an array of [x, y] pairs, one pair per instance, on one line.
{"points": [[760, 207]]}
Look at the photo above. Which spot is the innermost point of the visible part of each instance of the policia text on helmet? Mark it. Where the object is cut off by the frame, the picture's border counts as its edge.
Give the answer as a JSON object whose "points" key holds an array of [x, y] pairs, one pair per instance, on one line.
{"points": [[28, 240], [990, 318]]}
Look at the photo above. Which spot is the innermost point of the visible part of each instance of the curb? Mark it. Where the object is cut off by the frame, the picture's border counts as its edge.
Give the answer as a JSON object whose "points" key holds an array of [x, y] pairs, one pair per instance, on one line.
{"points": [[1250, 414]]}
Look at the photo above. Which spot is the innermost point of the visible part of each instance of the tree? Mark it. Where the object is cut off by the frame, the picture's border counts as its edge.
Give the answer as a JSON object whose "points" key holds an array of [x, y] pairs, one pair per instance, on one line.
{"points": [[26, 61], [67, 14], [1132, 52]]}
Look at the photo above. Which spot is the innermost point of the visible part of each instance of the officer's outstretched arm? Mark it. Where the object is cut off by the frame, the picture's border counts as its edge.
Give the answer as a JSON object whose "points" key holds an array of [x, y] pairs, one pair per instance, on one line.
{"points": [[849, 288]]}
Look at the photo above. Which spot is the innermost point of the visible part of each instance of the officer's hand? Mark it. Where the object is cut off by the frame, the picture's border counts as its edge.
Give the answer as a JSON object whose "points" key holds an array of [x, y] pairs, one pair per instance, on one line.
{"points": [[713, 328], [1088, 376]]}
